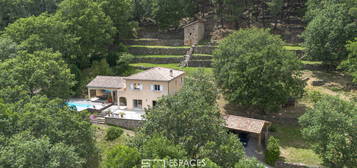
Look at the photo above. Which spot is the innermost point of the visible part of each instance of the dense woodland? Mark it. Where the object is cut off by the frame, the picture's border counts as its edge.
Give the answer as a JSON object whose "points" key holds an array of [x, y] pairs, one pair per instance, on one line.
{"points": [[50, 49]]}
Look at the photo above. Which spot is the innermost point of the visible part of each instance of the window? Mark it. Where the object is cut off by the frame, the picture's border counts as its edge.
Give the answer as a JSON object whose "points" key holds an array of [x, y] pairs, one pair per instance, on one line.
{"points": [[93, 93], [138, 104], [154, 103], [136, 86], [157, 88]]}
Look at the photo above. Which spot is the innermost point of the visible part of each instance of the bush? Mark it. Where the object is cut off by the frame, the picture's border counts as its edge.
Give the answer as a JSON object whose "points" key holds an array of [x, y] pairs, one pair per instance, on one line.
{"points": [[113, 133], [273, 152], [122, 157]]}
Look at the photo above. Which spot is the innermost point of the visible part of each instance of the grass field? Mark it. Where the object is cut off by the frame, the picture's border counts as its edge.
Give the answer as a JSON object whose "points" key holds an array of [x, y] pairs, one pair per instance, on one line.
{"points": [[312, 62], [160, 56], [294, 48], [173, 66], [156, 46], [293, 147]]}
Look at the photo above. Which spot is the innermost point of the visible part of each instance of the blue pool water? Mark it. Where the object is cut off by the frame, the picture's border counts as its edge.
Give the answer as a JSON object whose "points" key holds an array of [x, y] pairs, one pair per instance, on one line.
{"points": [[72, 104]]}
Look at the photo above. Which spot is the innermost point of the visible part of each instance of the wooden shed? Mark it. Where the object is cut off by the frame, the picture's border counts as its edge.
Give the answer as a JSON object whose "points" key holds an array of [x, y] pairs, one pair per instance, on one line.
{"points": [[256, 128]]}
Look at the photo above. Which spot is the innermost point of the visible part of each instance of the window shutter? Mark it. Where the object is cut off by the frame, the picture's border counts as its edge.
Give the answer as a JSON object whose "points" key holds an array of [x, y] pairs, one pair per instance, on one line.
{"points": [[141, 86], [132, 86], [152, 87], [161, 87]]}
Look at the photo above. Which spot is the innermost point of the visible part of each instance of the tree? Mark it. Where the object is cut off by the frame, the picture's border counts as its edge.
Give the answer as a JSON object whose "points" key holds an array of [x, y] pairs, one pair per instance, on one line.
{"points": [[230, 151], [252, 68], [168, 13], [43, 72], [249, 163], [121, 13], [86, 20], [8, 48], [272, 153], [191, 118], [23, 150], [122, 157], [41, 117], [159, 147], [11, 10], [46, 32], [275, 7], [328, 31], [330, 126], [350, 64]]}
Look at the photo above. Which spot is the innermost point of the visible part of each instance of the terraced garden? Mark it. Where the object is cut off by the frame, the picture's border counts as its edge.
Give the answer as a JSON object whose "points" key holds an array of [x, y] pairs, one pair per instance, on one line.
{"points": [[169, 53]]}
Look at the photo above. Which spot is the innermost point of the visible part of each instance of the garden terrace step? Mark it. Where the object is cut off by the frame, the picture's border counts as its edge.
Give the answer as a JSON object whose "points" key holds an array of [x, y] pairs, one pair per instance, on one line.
{"points": [[157, 50], [199, 63], [155, 42], [197, 57], [204, 49], [158, 60]]}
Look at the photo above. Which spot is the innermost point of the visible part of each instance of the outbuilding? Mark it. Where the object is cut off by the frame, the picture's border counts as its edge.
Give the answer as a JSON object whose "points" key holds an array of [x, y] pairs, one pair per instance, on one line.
{"points": [[194, 32], [254, 128]]}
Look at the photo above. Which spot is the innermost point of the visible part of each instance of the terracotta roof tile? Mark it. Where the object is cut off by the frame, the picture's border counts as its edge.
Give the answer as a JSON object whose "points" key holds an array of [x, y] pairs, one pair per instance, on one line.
{"points": [[114, 82], [244, 124], [156, 74]]}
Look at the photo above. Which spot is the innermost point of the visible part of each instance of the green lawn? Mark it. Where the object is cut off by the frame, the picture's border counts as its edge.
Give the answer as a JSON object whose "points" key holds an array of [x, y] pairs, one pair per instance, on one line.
{"points": [[293, 48], [293, 147], [312, 62], [159, 56], [154, 46], [202, 55], [173, 66]]}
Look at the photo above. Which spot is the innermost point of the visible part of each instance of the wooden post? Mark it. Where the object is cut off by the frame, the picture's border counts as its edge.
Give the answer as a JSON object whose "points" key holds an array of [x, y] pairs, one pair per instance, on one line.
{"points": [[118, 98], [88, 93], [111, 93]]}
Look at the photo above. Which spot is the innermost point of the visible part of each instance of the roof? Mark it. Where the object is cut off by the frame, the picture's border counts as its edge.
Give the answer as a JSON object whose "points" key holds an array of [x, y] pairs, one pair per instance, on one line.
{"points": [[114, 82], [156, 74], [245, 124], [192, 23]]}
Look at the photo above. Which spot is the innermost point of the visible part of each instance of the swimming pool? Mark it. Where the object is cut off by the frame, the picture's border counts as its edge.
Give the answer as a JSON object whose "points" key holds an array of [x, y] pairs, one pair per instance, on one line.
{"points": [[79, 105]]}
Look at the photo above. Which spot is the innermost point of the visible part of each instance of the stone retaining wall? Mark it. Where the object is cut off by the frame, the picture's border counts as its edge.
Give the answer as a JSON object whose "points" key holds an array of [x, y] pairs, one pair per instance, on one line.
{"points": [[201, 57], [125, 123], [158, 60], [159, 42], [199, 63], [282, 164], [157, 51], [204, 49]]}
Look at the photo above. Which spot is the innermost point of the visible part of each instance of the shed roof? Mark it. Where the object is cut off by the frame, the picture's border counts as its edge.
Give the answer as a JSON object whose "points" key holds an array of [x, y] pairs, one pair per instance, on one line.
{"points": [[192, 23], [245, 124], [156, 74], [114, 82]]}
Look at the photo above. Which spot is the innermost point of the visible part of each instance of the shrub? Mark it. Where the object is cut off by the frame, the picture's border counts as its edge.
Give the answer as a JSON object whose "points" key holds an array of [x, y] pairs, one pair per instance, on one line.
{"points": [[113, 133], [273, 152], [122, 157]]}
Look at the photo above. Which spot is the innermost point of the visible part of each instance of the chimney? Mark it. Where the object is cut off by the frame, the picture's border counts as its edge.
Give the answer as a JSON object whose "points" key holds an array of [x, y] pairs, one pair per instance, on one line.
{"points": [[171, 73]]}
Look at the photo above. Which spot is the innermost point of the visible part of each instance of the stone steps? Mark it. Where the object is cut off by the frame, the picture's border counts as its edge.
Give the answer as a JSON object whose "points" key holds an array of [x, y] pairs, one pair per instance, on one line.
{"points": [[98, 120]]}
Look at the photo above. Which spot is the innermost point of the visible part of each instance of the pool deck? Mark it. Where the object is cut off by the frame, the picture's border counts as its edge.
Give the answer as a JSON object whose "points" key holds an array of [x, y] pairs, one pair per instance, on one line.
{"points": [[115, 111], [98, 105]]}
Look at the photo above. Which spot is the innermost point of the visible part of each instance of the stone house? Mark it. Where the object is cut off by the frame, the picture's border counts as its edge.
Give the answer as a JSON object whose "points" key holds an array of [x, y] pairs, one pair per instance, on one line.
{"points": [[194, 32], [138, 91]]}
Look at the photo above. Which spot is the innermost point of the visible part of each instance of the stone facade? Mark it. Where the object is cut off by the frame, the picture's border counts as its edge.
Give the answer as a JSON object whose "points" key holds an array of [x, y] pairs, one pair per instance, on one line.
{"points": [[194, 32]]}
